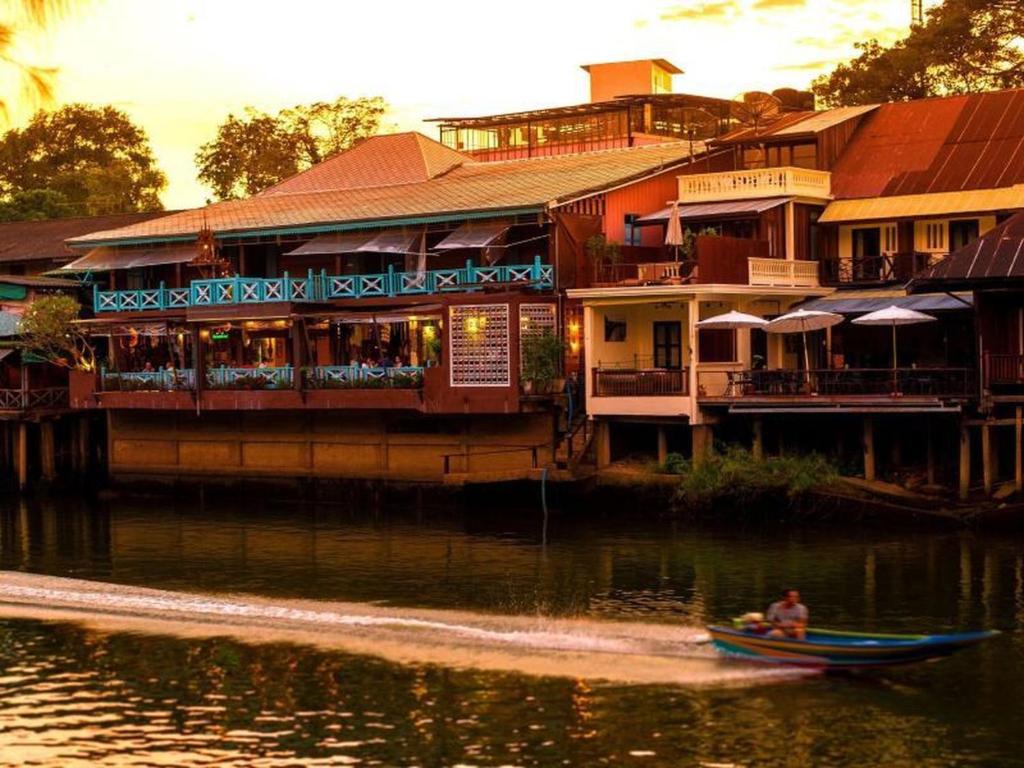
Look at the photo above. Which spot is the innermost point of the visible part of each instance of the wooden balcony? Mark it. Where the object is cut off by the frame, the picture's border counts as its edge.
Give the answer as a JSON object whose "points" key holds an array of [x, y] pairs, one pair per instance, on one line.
{"points": [[873, 270], [1003, 376], [836, 386], [756, 183], [34, 399], [782, 273], [640, 382]]}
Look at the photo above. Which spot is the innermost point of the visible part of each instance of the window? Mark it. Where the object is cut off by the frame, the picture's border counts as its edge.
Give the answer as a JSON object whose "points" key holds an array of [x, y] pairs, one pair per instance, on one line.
{"points": [[668, 344], [614, 329], [890, 242], [630, 231], [716, 345], [962, 232]]}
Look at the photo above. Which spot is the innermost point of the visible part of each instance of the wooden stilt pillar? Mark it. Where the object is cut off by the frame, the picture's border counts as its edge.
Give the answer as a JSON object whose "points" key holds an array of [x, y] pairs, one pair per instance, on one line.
{"points": [[869, 448], [930, 450], [47, 451], [987, 459], [758, 439], [82, 447], [22, 455], [965, 461], [662, 445], [702, 441], [1018, 449], [603, 447]]}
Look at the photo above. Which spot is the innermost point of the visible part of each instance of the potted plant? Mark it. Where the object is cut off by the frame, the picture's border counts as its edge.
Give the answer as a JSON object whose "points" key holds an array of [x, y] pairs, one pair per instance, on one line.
{"points": [[542, 362]]}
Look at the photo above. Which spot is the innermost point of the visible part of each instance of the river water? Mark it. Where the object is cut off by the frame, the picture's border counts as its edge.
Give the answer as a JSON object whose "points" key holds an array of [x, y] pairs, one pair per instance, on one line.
{"points": [[144, 632]]}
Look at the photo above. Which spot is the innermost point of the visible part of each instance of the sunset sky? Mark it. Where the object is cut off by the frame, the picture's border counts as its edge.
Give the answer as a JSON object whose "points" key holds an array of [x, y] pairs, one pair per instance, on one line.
{"points": [[178, 67]]}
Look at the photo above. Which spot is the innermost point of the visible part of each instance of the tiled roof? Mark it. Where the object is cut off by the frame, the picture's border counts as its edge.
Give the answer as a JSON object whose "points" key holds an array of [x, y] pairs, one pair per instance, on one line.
{"points": [[935, 145], [380, 161], [44, 240], [992, 259], [471, 188]]}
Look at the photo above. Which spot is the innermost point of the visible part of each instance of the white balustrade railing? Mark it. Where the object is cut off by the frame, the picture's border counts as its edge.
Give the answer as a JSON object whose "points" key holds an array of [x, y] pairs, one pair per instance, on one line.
{"points": [[757, 182], [782, 273]]}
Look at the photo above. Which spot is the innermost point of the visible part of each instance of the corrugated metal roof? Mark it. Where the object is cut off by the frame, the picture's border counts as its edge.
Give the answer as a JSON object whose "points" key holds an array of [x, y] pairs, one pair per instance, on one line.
{"points": [[724, 210], [912, 206], [44, 240], [820, 121], [855, 302], [472, 188], [947, 144], [995, 257], [379, 161]]}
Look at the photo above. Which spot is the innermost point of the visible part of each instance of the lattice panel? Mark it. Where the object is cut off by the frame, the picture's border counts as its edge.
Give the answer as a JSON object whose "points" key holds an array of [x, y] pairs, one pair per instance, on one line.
{"points": [[536, 320], [479, 345]]}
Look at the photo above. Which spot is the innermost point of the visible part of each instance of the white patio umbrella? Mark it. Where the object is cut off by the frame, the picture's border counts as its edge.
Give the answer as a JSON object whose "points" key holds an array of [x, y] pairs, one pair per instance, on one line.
{"points": [[733, 321], [674, 233], [893, 316], [801, 321]]}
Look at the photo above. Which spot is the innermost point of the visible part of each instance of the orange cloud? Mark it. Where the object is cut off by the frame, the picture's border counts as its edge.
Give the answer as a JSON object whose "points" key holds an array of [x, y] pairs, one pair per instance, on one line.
{"points": [[698, 11], [771, 5]]}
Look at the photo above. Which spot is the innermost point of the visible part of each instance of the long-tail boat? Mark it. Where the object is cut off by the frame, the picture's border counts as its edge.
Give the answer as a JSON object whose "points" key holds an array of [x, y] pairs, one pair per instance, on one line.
{"points": [[839, 650]]}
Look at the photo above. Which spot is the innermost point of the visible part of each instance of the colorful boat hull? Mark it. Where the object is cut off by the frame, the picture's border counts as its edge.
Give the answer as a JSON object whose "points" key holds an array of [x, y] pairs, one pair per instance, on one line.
{"points": [[839, 650]]}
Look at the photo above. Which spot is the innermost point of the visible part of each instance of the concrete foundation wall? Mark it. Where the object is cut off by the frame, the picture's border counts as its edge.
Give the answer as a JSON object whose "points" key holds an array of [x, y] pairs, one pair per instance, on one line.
{"points": [[358, 445]]}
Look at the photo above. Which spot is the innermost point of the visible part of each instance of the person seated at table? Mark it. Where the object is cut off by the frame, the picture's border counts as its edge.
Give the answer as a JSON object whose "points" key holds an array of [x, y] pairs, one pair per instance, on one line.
{"points": [[169, 366], [148, 367], [788, 616], [397, 362]]}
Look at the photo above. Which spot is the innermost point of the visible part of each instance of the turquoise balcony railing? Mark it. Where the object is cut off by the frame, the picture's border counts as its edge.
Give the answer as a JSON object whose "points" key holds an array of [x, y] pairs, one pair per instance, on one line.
{"points": [[283, 377], [357, 377], [322, 287], [141, 381]]}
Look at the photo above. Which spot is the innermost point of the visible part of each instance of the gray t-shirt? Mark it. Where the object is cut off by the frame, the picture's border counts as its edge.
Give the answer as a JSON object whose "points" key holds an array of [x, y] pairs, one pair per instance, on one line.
{"points": [[787, 615]]}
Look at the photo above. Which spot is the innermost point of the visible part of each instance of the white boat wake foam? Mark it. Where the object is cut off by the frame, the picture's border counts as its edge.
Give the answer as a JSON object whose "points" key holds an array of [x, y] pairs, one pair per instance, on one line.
{"points": [[622, 652]]}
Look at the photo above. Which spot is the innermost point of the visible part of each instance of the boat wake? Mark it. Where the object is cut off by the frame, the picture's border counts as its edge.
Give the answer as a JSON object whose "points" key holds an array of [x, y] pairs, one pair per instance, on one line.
{"points": [[622, 652]]}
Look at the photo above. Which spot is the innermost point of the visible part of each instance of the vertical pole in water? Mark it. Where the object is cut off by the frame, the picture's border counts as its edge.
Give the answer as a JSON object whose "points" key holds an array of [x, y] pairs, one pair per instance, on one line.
{"points": [[22, 455], [1018, 449], [544, 506], [662, 445], [869, 449], [758, 438], [986, 457], [47, 450], [965, 461], [930, 448]]}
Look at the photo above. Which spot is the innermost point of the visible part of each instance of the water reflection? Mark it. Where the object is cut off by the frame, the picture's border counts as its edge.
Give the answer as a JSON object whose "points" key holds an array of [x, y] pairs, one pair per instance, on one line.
{"points": [[72, 696]]}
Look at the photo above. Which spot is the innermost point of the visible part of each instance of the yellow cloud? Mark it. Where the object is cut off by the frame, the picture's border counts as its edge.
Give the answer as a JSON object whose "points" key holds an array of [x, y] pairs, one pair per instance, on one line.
{"points": [[700, 11]]}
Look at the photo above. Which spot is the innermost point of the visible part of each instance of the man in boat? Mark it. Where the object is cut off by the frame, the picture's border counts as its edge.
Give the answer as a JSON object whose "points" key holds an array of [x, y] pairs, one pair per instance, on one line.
{"points": [[788, 616]]}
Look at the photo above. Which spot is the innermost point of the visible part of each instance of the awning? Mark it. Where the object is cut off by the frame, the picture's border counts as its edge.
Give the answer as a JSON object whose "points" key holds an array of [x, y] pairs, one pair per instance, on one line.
{"points": [[421, 312], [106, 257], [474, 235], [331, 244], [861, 301], [392, 241], [915, 206], [732, 209], [104, 328]]}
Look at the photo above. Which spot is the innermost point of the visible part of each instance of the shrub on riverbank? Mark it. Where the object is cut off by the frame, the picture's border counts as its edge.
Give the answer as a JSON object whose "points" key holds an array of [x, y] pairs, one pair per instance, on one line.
{"points": [[734, 475]]}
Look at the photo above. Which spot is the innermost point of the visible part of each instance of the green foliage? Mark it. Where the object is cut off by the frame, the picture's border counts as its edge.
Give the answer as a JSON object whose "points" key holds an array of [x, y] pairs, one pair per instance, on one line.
{"points": [[688, 250], [733, 475], [964, 46], [34, 205], [542, 358], [255, 150], [48, 330], [602, 251], [95, 158], [675, 464]]}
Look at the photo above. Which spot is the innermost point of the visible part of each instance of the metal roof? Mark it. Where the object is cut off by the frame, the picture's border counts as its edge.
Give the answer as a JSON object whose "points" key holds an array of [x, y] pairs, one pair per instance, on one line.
{"points": [[855, 302], [915, 206], [950, 144], [104, 258], [22, 241], [993, 259]]}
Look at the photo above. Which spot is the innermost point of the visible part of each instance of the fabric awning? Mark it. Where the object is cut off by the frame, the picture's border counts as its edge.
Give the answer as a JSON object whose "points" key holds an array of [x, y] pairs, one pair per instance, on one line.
{"points": [[914, 206], [105, 257], [474, 235], [331, 244], [732, 209], [392, 241], [870, 300], [419, 312]]}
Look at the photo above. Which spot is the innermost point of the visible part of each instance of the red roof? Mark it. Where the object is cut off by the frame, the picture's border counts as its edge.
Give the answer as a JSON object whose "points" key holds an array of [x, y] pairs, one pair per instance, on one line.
{"points": [[44, 240], [935, 145], [380, 161]]}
